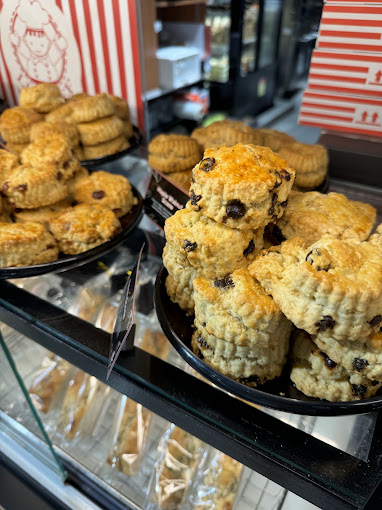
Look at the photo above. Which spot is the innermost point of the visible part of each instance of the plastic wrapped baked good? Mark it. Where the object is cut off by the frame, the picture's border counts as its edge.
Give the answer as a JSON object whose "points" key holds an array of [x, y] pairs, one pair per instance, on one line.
{"points": [[179, 456], [215, 487], [48, 381], [132, 422]]}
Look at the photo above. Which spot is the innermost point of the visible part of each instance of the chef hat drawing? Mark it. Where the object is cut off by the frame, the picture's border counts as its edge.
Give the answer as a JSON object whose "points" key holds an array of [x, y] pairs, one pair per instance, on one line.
{"points": [[31, 16]]}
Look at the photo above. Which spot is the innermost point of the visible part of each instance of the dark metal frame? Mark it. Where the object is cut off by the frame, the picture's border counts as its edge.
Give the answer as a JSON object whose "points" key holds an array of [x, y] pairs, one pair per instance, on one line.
{"points": [[307, 466]]}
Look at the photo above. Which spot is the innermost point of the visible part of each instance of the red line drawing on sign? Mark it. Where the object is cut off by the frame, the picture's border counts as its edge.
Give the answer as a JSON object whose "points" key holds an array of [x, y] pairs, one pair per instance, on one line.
{"points": [[357, 35]]}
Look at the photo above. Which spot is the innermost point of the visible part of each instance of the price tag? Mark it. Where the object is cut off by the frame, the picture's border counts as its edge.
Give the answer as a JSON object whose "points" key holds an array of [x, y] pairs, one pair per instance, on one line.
{"points": [[163, 199]]}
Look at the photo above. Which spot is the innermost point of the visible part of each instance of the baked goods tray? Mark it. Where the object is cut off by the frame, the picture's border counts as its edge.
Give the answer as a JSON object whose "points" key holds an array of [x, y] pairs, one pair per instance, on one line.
{"points": [[129, 222], [279, 394], [135, 141]]}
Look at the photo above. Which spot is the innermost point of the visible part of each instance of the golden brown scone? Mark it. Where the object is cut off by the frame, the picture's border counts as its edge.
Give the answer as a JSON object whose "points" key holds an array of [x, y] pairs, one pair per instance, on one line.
{"points": [[100, 130], [8, 161], [376, 238], [311, 215], [310, 163], [106, 148], [71, 183], [244, 186], [332, 287], [92, 108], [84, 227], [28, 187], [17, 148], [62, 113], [108, 190], [78, 153], [44, 128], [53, 148], [173, 153], [42, 214], [77, 97], [121, 107], [181, 179], [226, 132], [15, 124], [43, 97], [275, 139], [25, 244], [128, 130]]}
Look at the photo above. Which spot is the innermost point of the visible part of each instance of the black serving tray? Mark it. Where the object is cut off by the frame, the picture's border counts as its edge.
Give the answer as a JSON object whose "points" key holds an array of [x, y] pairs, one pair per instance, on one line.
{"points": [[279, 394], [129, 222], [134, 141]]}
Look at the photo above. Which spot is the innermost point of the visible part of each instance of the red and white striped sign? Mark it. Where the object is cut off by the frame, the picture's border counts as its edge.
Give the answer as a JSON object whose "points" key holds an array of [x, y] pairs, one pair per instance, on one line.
{"points": [[82, 45], [345, 113], [349, 73], [351, 28]]}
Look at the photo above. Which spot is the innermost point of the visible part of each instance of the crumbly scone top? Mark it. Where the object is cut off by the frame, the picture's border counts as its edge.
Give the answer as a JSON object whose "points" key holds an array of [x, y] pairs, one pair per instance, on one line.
{"points": [[244, 167], [15, 233], [350, 266], [19, 116]]}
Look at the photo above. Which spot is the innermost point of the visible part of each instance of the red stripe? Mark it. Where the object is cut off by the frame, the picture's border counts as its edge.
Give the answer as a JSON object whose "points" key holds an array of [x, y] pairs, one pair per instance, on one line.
{"points": [[1, 4], [336, 67], [352, 22], [59, 4], [352, 9], [334, 117], [136, 62], [347, 90], [105, 44], [337, 78], [340, 128], [342, 46], [91, 44], [356, 35], [347, 56], [346, 99], [13, 95], [77, 36], [328, 106], [118, 38]]}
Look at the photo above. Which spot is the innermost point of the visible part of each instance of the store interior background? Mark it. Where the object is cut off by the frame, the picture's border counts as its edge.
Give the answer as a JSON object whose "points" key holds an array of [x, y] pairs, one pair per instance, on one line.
{"points": [[246, 60]]}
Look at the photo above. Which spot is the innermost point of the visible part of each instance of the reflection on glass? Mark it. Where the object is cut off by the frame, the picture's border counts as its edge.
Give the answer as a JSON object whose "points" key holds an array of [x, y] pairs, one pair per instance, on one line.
{"points": [[218, 27], [249, 37], [269, 32]]}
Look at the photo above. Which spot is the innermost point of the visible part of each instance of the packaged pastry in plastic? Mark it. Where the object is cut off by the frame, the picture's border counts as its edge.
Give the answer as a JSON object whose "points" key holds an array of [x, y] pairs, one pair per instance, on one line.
{"points": [[82, 405], [216, 487], [129, 436], [180, 455], [48, 381]]}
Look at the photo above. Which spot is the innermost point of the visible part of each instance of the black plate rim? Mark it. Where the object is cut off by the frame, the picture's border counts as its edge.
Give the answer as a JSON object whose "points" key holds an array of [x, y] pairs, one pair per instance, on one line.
{"points": [[135, 141], [71, 261], [254, 395]]}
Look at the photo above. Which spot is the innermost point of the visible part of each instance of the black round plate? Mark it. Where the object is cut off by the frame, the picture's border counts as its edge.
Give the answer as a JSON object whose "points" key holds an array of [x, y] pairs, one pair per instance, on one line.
{"points": [[135, 141], [280, 394], [129, 222]]}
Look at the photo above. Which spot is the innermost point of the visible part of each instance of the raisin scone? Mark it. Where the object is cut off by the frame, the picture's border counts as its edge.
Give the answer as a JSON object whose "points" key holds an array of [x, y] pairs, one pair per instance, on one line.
{"points": [[180, 294], [236, 309], [311, 215], [53, 148], [26, 244], [106, 148], [226, 132], [62, 113], [317, 375], [43, 97], [275, 139], [210, 247], [100, 130], [41, 215], [362, 357], [17, 148], [244, 186], [310, 163], [332, 287], [181, 179], [28, 187], [112, 191], [8, 161], [92, 108], [249, 371], [83, 227], [173, 153], [70, 131], [15, 124], [71, 183], [121, 107]]}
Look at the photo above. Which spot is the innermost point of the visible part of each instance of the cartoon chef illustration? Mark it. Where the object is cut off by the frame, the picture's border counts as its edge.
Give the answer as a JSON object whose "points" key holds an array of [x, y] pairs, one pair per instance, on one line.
{"points": [[39, 46]]}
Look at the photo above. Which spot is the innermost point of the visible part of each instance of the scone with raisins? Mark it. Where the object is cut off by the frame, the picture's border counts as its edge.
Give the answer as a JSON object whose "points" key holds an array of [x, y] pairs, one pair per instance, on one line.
{"points": [[24, 244], [317, 375], [333, 287], [244, 186]]}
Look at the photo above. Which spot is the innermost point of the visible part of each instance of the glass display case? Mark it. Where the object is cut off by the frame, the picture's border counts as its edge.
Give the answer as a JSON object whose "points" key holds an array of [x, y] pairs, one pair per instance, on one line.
{"points": [[60, 324]]}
